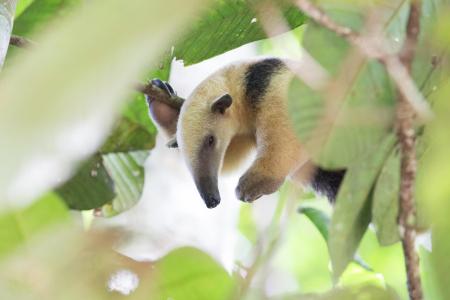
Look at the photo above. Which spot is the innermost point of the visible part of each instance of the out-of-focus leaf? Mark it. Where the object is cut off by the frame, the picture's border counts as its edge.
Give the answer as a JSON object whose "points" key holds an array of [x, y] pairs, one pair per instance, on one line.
{"points": [[433, 189], [228, 25], [128, 135], [353, 204], [318, 218], [36, 14], [428, 274], [43, 273], [247, 225], [355, 276], [7, 8], [18, 227], [63, 113], [137, 111], [111, 183], [386, 200], [188, 273], [322, 222], [368, 292], [91, 186], [338, 132], [127, 171], [21, 6]]}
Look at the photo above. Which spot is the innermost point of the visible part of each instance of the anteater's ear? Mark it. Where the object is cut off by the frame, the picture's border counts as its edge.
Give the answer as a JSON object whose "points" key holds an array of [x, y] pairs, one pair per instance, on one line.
{"points": [[221, 104]]}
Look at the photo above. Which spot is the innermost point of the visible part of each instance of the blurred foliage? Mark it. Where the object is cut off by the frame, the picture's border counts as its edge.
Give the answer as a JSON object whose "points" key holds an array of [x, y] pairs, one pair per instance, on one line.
{"points": [[228, 25], [134, 131], [19, 226], [349, 125]]}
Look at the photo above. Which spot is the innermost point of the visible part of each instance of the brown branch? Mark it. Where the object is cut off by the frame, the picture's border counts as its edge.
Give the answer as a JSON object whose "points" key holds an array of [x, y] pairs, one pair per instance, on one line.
{"points": [[410, 104], [407, 138], [20, 41], [155, 93]]}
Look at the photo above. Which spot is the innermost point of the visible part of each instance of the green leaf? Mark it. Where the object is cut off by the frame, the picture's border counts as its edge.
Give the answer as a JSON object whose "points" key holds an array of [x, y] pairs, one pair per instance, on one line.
{"points": [[35, 15], [128, 135], [228, 25], [188, 273], [322, 222], [137, 111], [111, 183], [353, 204], [318, 218], [19, 226], [336, 131], [21, 6], [367, 292], [91, 59], [386, 201], [433, 189], [78, 264], [246, 223], [90, 187], [127, 171]]}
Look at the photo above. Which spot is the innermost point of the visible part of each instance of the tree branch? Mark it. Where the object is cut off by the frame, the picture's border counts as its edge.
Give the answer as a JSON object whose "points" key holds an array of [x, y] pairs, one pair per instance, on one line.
{"points": [[155, 93], [407, 137], [410, 104], [20, 41]]}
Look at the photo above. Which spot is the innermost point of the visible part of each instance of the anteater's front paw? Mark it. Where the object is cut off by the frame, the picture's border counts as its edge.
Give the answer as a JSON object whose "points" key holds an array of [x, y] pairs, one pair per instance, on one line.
{"points": [[252, 186], [165, 86]]}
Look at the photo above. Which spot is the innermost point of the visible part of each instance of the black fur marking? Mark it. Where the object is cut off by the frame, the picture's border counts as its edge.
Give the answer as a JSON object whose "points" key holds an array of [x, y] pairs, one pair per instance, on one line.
{"points": [[327, 182], [257, 78]]}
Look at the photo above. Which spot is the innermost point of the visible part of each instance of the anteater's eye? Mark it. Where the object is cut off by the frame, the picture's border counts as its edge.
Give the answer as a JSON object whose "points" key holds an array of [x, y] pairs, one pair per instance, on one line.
{"points": [[211, 141]]}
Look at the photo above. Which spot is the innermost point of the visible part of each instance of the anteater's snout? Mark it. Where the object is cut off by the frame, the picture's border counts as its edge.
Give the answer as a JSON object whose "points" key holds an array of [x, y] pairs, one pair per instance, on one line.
{"points": [[212, 201], [207, 187]]}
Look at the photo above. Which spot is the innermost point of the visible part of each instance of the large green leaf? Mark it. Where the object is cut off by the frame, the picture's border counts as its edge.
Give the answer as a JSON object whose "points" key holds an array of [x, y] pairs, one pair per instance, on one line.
{"points": [[63, 113], [335, 130], [21, 6], [19, 226], [90, 187], [322, 222], [386, 201], [318, 218], [353, 204], [228, 25], [127, 171], [128, 135], [71, 264], [35, 15], [190, 274]]}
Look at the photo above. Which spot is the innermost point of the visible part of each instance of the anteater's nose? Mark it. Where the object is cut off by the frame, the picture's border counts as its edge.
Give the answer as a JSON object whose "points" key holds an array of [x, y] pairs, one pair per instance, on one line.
{"points": [[212, 201], [207, 187]]}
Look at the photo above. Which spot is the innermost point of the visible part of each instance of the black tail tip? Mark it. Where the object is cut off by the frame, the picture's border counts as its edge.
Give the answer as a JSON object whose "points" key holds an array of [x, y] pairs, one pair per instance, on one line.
{"points": [[327, 182]]}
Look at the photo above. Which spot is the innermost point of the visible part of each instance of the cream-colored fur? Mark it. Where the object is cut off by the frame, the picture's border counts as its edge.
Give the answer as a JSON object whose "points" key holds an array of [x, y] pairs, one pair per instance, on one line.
{"points": [[242, 128]]}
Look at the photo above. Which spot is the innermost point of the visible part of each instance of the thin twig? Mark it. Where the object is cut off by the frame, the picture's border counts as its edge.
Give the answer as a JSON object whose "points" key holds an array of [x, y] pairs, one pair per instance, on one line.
{"points": [[407, 138], [20, 41]]}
